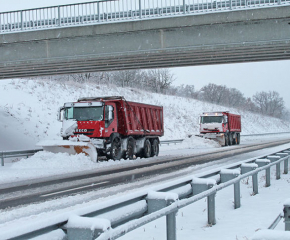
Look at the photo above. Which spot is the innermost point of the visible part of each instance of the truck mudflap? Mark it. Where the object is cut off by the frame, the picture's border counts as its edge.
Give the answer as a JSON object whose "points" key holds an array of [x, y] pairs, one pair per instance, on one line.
{"points": [[70, 147]]}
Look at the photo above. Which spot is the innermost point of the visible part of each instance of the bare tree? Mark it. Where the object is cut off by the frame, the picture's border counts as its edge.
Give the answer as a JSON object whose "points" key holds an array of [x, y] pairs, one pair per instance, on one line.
{"points": [[126, 78], [160, 79], [214, 93], [269, 103], [234, 98]]}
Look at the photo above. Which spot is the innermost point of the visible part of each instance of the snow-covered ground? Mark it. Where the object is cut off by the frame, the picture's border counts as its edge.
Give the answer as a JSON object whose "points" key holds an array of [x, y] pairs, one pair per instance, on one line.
{"points": [[28, 111], [257, 212], [28, 115]]}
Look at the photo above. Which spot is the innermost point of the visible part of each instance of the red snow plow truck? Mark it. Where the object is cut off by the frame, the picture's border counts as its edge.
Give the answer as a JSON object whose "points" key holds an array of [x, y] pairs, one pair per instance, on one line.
{"points": [[109, 126], [223, 127]]}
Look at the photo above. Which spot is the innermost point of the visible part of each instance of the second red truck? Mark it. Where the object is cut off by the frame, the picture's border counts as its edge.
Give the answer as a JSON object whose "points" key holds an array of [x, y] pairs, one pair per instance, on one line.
{"points": [[224, 127]]}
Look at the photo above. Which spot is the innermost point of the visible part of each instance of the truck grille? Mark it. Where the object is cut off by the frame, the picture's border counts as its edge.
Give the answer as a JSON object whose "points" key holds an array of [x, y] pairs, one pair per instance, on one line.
{"points": [[86, 132]]}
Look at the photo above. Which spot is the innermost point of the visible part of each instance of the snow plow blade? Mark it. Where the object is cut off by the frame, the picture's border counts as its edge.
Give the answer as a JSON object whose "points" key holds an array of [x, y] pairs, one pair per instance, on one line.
{"points": [[72, 148]]}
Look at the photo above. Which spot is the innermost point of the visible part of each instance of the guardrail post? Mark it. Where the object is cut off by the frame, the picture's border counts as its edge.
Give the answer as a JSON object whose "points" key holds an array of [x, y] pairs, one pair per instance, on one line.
{"points": [[262, 163], [287, 214], [247, 167], [159, 200], [286, 162], [86, 228], [2, 159], [200, 185], [227, 175], [274, 159]]}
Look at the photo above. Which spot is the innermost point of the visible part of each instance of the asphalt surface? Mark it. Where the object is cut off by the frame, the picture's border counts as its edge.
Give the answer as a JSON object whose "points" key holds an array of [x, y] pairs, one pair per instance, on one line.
{"points": [[28, 192]]}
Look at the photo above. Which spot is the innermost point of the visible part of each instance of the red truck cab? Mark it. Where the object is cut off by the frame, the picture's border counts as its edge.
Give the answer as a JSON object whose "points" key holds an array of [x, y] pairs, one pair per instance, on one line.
{"points": [[116, 128], [224, 127]]}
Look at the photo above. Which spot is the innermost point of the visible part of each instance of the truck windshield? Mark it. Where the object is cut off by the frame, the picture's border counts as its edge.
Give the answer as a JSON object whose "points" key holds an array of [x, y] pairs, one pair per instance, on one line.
{"points": [[211, 119], [84, 113]]}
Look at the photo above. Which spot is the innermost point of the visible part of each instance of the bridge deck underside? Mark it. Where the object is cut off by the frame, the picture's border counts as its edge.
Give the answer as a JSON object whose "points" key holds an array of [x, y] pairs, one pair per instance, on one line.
{"points": [[245, 36], [161, 59]]}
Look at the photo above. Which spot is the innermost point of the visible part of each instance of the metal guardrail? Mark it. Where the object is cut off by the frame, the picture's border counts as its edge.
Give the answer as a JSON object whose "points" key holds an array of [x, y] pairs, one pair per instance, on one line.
{"points": [[11, 154], [113, 219], [27, 153], [122, 10], [263, 134], [171, 141]]}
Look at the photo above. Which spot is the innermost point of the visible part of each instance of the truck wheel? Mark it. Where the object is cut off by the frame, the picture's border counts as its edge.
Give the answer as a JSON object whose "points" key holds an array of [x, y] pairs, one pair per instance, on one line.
{"points": [[226, 139], [235, 139], [230, 139], [147, 149], [130, 148], [116, 149], [155, 148]]}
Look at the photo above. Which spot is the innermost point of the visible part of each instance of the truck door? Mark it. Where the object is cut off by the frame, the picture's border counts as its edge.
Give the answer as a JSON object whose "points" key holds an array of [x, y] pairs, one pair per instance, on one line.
{"points": [[110, 119]]}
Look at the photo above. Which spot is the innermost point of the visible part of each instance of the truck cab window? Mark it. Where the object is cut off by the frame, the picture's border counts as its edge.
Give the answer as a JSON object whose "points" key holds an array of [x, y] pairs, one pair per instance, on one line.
{"points": [[109, 115], [211, 119]]}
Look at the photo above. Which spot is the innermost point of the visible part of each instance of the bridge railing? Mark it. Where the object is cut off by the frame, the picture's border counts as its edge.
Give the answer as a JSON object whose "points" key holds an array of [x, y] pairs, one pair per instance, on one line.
{"points": [[113, 10]]}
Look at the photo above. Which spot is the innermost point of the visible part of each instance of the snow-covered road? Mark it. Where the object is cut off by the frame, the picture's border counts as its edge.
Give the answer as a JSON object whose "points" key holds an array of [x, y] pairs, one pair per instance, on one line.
{"points": [[10, 218]]}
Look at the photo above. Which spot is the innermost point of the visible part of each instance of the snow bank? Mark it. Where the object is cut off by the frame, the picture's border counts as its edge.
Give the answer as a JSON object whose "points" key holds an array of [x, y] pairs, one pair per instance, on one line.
{"points": [[54, 235], [271, 235], [231, 171], [89, 223], [162, 195]]}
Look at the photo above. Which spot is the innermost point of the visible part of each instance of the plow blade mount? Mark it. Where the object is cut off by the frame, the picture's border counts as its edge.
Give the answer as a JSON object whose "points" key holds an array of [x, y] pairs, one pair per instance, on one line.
{"points": [[66, 146]]}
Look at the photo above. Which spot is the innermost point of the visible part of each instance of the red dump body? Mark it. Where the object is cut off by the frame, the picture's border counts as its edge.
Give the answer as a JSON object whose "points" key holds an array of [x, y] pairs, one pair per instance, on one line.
{"points": [[140, 119], [129, 119], [234, 121]]}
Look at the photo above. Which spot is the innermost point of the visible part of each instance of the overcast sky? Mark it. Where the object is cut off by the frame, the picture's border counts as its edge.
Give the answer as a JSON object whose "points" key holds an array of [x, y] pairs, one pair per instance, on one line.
{"points": [[249, 78]]}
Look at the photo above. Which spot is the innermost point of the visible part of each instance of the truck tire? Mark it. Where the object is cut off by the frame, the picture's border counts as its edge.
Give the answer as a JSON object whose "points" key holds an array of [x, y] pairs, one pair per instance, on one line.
{"points": [[116, 149], [230, 139], [155, 148], [147, 149], [226, 139], [130, 148], [235, 139]]}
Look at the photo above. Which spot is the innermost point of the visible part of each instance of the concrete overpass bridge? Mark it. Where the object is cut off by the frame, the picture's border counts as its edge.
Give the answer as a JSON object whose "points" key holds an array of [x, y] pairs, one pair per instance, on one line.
{"points": [[140, 34]]}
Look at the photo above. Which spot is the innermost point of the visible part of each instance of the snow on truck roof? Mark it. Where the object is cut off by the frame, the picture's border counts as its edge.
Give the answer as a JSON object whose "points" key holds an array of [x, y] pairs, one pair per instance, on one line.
{"points": [[92, 99], [101, 98], [213, 113]]}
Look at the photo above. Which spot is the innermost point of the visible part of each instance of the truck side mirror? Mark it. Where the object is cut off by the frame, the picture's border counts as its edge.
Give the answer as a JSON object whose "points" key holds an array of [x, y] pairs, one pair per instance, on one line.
{"points": [[111, 109], [199, 120], [60, 114]]}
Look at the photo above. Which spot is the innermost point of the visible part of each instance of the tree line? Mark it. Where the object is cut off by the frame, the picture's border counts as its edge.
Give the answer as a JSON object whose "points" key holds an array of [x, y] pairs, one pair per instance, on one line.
{"points": [[160, 81]]}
